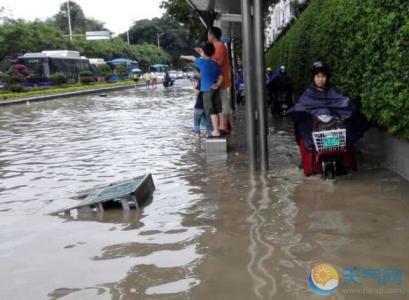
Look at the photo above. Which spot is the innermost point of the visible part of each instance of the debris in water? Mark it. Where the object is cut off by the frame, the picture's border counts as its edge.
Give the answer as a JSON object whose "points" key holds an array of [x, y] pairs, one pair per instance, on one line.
{"points": [[132, 193]]}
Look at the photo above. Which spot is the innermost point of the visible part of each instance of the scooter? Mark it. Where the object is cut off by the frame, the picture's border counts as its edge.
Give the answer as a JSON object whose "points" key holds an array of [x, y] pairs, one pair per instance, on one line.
{"points": [[282, 104], [329, 137]]}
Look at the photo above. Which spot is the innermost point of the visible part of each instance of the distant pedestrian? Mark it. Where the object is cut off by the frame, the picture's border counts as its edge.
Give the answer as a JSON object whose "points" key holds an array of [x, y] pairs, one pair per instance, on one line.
{"points": [[167, 81], [280, 91], [239, 84], [154, 80], [147, 78]]}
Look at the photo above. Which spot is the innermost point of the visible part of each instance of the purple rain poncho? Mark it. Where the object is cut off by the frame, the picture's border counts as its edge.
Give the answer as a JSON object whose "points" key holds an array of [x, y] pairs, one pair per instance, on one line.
{"points": [[314, 103]]}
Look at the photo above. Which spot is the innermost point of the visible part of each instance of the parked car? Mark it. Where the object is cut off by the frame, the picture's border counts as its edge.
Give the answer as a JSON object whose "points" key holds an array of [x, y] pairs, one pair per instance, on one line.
{"points": [[160, 76], [173, 74], [191, 75], [180, 74]]}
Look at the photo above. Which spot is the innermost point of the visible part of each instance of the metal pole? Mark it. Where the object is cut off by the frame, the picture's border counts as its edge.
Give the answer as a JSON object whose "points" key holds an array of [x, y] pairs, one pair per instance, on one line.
{"points": [[159, 35], [232, 74], [259, 67], [248, 56], [69, 19]]}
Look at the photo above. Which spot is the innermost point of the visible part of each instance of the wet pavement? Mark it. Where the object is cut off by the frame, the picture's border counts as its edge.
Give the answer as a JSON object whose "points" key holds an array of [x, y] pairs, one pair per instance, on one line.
{"points": [[213, 230]]}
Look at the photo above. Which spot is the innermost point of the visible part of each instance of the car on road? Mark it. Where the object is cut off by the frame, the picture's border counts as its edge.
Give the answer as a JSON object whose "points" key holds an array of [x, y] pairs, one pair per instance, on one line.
{"points": [[160, 76], [180, 74], [173, 74]]}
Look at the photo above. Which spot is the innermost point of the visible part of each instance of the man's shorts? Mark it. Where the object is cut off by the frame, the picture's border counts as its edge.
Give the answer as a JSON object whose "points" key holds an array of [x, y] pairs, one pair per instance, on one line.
{"points": [[211, 103], [225, 100]]}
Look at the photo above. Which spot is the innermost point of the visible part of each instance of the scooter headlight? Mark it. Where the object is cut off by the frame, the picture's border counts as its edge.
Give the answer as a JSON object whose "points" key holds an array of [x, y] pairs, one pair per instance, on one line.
{"points": [[325, 118]]}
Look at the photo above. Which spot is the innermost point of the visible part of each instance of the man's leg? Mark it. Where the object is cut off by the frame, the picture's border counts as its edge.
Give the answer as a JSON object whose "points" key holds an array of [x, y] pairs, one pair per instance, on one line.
{"points": [[208, 123], [215, 124], [225, 110], [210, 110], [197, 116]]}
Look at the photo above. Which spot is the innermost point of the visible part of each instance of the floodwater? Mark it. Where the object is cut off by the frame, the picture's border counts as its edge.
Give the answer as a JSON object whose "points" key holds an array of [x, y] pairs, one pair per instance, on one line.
{"points": [[213, 230]]}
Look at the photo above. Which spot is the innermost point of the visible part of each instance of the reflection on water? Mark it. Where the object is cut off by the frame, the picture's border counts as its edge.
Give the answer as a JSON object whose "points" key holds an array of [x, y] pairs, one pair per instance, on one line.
{"points": [[214, 230]]}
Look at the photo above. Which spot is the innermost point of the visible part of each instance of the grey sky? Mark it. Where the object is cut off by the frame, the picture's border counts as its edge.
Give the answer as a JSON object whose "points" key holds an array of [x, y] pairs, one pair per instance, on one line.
{"points": [[117, 15]]}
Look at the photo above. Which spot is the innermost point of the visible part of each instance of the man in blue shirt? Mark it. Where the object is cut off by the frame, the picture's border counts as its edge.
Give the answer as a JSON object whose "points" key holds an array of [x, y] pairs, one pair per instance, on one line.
{"points": [[211, 79]]}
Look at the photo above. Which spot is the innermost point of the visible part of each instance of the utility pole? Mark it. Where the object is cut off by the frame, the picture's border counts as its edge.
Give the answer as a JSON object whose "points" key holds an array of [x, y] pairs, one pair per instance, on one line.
{"points": [[159, 35], [127, 37], [69, 19]]}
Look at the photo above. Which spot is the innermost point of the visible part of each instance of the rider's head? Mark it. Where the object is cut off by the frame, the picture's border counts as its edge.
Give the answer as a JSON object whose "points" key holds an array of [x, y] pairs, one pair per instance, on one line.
{"points": [[320, 74]]}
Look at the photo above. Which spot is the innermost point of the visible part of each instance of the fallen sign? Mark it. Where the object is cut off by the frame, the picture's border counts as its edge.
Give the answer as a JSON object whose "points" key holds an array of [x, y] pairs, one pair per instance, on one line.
{"points": [[131, 193]]}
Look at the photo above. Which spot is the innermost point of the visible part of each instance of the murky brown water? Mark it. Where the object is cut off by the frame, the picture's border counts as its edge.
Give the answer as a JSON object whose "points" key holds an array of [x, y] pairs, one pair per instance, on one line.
{"points": [[213, 230]]}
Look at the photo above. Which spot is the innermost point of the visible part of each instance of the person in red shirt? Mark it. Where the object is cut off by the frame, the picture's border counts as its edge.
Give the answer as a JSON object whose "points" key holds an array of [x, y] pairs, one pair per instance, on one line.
{"points": [[221, 56]]}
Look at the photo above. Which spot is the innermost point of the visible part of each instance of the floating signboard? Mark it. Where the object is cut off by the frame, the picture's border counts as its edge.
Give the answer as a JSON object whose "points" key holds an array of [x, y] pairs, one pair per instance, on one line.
{"points": [[97, 35]]}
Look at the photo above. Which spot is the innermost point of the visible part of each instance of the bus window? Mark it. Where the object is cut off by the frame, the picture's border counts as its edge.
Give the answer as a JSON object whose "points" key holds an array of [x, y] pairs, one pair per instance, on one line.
{"points": [[35, 67]]}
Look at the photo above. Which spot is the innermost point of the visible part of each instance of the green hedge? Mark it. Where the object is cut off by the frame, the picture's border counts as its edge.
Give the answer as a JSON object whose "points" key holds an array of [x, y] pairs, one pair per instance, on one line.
{"points": [[365, 43], [42, 91]]}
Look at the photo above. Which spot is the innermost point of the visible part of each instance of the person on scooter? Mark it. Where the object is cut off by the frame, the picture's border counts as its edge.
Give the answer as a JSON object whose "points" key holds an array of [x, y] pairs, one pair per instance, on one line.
{"points": [[280, 92], [323, 99]]}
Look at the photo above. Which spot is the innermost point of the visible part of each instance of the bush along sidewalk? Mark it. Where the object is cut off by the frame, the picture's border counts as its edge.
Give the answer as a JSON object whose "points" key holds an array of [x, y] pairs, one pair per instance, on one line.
{"points": [[366, 45]]}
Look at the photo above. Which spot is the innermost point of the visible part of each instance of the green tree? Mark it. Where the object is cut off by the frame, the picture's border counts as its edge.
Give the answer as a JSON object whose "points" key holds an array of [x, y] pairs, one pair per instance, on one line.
{"points": [[175, 38], [79, 23], [105, 71], [181, 12], [121, 71], [18, 37]]}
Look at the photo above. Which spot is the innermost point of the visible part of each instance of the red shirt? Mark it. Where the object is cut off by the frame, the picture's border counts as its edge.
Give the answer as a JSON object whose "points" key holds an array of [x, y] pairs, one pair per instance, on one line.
{"points": [[221, 56]]}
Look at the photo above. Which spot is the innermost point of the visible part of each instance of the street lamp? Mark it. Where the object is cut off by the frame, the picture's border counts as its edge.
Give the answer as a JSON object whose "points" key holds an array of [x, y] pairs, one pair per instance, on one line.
{"points": [[159, 35], [69, 19]]}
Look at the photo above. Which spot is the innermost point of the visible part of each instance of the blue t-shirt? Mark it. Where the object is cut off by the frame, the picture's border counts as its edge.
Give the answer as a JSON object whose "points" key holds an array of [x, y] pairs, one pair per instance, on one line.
{"points": [[209, 72]]}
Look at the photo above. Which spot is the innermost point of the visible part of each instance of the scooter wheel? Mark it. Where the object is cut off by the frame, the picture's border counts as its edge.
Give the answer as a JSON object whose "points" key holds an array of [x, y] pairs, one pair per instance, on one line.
{"points": [[329, 171]]}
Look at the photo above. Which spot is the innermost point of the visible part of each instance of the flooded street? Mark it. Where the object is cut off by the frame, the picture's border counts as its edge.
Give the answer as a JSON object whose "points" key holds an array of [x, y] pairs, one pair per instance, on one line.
{"points": [[214, 230]]}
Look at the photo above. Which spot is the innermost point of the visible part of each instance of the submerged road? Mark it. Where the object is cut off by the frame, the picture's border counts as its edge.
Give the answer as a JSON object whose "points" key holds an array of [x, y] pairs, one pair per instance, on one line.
{"points": [[213, 231]]}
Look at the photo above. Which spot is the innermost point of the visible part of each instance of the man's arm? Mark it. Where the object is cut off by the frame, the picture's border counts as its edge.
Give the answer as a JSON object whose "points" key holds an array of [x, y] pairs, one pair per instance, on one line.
{"points": [[188, 57], [217, 85], [199, 51]]}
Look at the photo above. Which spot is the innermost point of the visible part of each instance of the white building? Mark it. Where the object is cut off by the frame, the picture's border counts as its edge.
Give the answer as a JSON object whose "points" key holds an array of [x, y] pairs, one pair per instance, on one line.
{"points": [[279, 16]]}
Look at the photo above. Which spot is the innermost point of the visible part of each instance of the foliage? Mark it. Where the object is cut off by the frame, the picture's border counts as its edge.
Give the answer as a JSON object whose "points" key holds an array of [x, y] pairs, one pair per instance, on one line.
{"points": [[366, 45], [22, 37], [15, 87], [18, 37], [121, 71], [5, 78], [18, 73], [86, 77], [174, 38], [58, 78], [182, 13], [79, 23], [32, 92], [105, 71]]}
